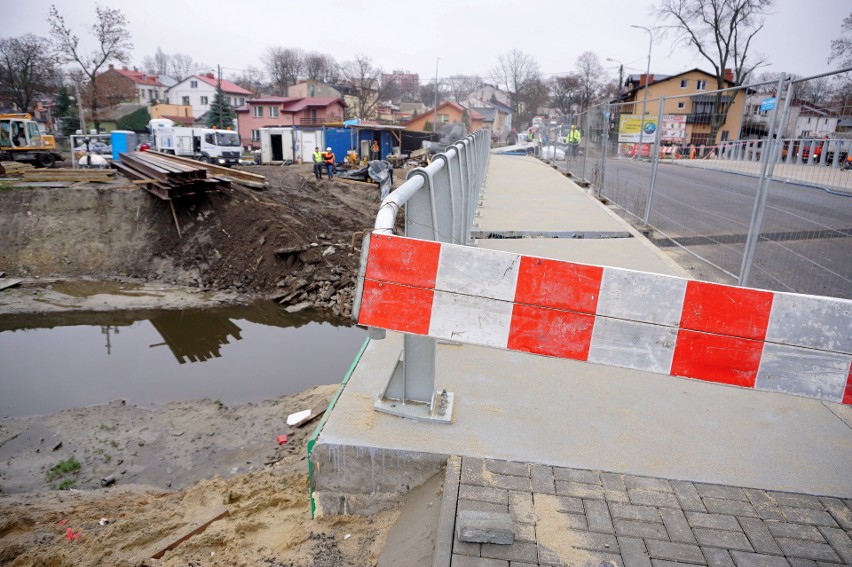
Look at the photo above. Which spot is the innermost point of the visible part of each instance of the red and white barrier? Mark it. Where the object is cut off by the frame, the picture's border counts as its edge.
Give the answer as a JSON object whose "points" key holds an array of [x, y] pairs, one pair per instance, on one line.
{"points": [[773, 341]]}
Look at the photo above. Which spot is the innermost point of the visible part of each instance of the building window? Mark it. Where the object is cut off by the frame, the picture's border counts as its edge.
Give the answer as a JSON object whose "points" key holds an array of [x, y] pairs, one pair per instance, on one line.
{"points": [[273, 112], [255, 135], [443, 118], [258, 112], [204, 100], [701, 85], [242, 101], [683, 83], [681, 105], [725, 135], [193, 84], [185, 101]]}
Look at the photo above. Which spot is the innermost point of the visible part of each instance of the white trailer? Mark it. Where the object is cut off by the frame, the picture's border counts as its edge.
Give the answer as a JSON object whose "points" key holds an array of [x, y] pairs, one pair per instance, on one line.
{"points": [[276, 145], [208, 145]]}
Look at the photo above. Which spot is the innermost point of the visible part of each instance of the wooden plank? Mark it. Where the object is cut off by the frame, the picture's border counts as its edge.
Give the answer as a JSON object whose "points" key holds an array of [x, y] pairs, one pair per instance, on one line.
{"points": [[159, 548], [9, 282]]}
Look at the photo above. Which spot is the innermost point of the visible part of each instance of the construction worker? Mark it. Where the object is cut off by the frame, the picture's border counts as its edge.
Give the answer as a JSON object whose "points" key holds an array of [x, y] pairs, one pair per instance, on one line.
{"points": [[328, 158], [318, 163], [374, 150], [573, 140]]}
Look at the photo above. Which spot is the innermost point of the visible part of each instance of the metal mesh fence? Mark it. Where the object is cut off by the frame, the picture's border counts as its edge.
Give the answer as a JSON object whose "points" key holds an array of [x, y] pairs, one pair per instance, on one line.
{"points": [[754, 181]]}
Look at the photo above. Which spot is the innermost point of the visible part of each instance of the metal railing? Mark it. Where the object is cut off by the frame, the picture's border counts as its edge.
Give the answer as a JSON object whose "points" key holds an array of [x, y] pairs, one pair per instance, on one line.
{"points": [[440, 201]]}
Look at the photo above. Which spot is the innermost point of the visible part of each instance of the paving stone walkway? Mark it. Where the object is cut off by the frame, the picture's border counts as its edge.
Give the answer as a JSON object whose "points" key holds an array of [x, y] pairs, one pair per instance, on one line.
{"points": [[577, 517]]}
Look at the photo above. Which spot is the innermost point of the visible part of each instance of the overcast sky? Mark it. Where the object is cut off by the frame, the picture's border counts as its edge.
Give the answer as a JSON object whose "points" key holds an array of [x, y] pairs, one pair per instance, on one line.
{"points": [[467, 35]]}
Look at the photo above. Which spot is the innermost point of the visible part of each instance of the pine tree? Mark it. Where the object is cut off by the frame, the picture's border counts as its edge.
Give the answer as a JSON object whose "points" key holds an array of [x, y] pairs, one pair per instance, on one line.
{"points": [[66, 113], [221, 114]]}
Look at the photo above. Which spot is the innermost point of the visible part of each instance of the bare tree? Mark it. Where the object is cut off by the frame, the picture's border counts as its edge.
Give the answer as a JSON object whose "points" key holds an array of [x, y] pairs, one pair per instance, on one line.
{"points": [[841, 48], [252, 79], [515, 71], [112, 40], [460, 86], [182, 66], [565, 93], [536, 94], [591, 76], [365, 81], [721, 31], [110, 89], [284, 65], [320, 67], [27, 69], [814, 91], [157, 64]]}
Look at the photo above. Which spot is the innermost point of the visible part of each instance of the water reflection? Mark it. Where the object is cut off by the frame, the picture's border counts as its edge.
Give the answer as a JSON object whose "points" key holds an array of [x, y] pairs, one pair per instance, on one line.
{"points": [[59, 361]]}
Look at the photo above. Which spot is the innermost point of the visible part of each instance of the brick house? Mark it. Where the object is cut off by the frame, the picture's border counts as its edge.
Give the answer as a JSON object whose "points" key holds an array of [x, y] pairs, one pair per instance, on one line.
{"points": [[149, 89], [448, 113], [286, 111]]}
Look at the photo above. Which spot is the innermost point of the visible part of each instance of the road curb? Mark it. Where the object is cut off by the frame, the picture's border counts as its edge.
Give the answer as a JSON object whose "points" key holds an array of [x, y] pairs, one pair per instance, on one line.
{"points": [[447, 519]]}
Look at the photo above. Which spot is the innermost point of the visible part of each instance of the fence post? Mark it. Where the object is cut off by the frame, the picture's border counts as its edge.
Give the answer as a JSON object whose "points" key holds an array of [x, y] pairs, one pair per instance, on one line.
{"points": [[655, 161], [604, 148], [766, 167]]}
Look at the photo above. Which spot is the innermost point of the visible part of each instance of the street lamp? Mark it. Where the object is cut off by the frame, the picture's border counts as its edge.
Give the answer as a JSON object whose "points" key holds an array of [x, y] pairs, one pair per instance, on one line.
{"points": [[620, 74], [435, 111], [647, 78]]}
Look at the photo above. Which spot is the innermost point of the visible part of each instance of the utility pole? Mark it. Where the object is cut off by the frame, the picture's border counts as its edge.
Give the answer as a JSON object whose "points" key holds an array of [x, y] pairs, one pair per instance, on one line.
{"points": [[647, 80], [80, 108], [219, 93]]}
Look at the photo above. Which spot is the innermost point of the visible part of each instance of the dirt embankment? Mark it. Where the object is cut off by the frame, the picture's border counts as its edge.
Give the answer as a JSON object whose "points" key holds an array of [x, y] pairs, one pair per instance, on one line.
{"points": [[292, 242]]}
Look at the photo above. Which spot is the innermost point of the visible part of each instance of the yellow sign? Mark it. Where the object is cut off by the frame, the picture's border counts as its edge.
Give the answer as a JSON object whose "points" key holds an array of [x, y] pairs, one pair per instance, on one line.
{"points": [[630, 126]]}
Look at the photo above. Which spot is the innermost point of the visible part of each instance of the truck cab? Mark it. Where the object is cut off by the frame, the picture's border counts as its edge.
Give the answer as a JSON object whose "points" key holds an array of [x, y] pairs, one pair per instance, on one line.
{"points": [[209, 145]]}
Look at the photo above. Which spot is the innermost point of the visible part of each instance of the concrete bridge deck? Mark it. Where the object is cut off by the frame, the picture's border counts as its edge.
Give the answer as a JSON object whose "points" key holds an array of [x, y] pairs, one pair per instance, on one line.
{"points": [[561, 413]]}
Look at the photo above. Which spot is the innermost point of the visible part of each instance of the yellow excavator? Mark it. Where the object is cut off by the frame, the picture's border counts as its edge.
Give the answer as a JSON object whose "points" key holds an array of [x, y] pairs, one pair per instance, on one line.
{"points": [[21, 140]]}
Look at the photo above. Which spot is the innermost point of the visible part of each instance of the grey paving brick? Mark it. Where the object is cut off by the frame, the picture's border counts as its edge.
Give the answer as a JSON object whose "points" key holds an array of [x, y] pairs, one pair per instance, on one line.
{"points": [[798, 562], [647, 483], [542, 479], [808, 516], [841, 513], [688, 496], [579, 490], [683, 552], [664, 563], [484, 527], [613, 481], [473, 471], [717, 557], [653, 498], [519, 564], [577, 475], [465, 561], [796, 500], [766, 507], [594, 541], [521, 507], [677, 526], [840, 541], [732, 507], [722, 538], [518, 551], [713, 521], [617, 496], [807, 549], [508, 468], [633, 552], [510, 482], [524, 532], [575, 521], [720, 491], [483, 494], [597, 514], [759, 536], [746, 559], [631, 512], [465, 548], [551, 557], [795, 531], [565, 504], [634, 528], [479, 506]]}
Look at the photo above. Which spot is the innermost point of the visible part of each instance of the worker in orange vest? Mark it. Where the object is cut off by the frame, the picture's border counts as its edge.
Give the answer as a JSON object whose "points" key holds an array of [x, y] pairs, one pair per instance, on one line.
{"points": [[328, 159]]}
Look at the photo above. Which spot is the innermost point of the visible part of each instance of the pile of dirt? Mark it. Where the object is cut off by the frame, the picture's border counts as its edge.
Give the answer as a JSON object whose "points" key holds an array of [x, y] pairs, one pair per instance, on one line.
{"points": [[295, 242]]}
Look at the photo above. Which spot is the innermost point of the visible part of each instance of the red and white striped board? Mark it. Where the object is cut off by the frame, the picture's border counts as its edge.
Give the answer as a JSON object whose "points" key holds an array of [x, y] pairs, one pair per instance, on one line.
{"points": [[781, 342]]}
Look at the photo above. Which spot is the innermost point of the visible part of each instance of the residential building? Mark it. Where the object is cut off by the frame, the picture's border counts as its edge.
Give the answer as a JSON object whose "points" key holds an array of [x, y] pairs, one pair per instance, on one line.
{"points": [[278, 111], [448, 112], [408, 110], [311, 88], [148, 88], [180, 115], [490, 93], [406, 83], [805, 119], [198, 92], [684, 96]]}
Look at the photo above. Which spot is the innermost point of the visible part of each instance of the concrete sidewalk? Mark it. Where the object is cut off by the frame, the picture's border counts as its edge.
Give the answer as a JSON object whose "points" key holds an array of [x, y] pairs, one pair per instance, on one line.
{"points": [[531, 409]]}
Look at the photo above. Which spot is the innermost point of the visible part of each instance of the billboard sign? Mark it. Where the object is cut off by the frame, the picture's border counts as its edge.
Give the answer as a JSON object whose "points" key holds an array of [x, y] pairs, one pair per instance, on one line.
{"points": [[672, 128]]}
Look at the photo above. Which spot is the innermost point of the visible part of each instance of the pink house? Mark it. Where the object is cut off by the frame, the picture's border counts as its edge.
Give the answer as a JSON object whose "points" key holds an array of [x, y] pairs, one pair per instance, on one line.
{"points": [[286, 111]]}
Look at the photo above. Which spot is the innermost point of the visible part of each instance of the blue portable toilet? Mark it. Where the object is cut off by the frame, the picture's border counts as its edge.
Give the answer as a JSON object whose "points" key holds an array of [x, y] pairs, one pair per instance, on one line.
{"points": [[122, 141]]}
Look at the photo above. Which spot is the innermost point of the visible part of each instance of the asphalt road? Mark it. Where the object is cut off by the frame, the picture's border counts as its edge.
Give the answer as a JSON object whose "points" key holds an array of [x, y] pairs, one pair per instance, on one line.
{"points": [[806, 234]]}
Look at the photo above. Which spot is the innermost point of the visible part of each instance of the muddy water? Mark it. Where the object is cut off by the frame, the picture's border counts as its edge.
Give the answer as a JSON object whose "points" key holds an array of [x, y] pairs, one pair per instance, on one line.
{"points": [[49, 363]]}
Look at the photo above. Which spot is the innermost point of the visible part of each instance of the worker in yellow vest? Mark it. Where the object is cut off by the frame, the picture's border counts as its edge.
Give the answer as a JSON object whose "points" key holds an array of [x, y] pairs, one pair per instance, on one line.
{"points": [[318, 163], [573, 140]]}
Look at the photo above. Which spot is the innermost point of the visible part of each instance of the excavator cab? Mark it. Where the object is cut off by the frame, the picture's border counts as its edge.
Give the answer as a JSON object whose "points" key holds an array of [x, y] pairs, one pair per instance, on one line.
{"points": [[21, 140]]}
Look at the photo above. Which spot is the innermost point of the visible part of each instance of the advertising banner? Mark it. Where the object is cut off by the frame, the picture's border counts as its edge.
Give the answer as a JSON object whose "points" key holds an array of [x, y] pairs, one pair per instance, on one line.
{"points": [[673, 128]]}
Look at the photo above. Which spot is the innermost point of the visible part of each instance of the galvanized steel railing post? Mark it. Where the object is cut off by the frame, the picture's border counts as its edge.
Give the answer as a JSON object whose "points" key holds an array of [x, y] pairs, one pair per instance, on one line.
{"points": [[655, 161]]}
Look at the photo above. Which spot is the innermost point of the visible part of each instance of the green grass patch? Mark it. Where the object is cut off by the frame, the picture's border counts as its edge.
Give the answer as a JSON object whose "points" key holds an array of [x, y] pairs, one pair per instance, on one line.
{"points": [[66, 484], [62, 468]]}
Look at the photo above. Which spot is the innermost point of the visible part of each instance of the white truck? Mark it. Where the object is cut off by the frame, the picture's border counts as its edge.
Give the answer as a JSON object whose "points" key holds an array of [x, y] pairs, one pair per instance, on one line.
{"points": [[209, 145]]}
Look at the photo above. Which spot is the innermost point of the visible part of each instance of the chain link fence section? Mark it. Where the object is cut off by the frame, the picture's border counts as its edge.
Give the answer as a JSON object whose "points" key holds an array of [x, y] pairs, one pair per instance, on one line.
{"points": [[735, 178]]}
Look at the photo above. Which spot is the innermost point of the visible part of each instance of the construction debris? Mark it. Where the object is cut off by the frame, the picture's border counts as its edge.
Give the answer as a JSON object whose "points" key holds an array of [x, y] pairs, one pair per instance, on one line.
{"points": [[167, 179], [14, 168]]}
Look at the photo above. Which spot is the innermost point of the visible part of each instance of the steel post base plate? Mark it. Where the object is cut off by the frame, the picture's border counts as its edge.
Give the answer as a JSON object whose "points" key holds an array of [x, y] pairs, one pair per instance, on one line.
{"points": [[443, 413]]}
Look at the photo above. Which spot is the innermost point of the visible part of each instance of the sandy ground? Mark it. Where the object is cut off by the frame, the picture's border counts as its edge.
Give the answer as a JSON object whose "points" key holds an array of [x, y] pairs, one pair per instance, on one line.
{"points": [[174, 468]]}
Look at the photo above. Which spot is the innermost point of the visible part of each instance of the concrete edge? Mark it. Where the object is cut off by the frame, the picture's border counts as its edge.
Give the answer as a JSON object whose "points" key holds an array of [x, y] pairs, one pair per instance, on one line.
{"points": [[447, 519]]}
